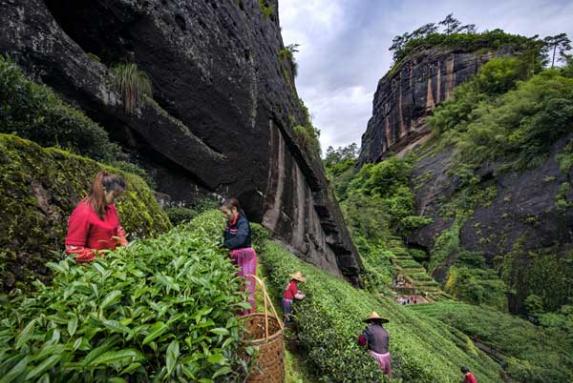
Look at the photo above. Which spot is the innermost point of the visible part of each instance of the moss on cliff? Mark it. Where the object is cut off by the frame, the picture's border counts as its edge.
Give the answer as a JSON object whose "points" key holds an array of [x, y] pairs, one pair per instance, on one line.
{"points": [[35, 112], [40, 187]]}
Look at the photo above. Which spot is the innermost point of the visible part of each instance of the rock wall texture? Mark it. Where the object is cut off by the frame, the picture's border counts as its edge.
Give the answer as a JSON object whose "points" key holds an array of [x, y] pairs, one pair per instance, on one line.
{"points": [[221, 113], [407, 93], [522, 213]]}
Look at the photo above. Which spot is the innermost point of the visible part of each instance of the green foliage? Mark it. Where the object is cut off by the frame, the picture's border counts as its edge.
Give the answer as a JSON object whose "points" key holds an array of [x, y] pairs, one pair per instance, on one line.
{"points": [[132, 168], [494, 78], [40, 189], [529, 353], [445, 245], [388, 183], [133, 85], [329, 320], [184, 213], [466, 42], [307, 137], [161, 310], [565, 158], [287, 54], [305, 134], [519, 126], [477, 286], [35, 112], [178, 215], [266, 9], [546, 272]]}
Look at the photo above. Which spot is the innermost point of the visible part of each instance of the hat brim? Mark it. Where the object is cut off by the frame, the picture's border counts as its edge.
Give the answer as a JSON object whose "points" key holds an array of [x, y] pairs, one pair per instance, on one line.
{"points": [[296, 278], [381, 320]]}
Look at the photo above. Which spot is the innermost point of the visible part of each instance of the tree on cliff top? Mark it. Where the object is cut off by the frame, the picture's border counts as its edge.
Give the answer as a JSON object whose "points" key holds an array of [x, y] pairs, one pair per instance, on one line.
{"points": [[454, 34], [450, 23], [557, 44]]}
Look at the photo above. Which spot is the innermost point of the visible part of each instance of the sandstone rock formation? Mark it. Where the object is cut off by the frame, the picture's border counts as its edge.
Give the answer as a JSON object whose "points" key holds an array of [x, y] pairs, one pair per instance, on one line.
{"points": [[222, 110], [408, 92]]}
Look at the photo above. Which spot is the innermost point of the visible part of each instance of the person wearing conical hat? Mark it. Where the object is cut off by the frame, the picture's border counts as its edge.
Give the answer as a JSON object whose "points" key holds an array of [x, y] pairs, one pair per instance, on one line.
{"points": [[291, 293], [376, 339]]}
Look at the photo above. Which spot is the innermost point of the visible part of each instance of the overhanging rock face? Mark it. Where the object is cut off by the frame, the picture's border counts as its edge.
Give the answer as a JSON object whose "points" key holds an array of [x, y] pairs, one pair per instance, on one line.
{"points": [[222, 110]]}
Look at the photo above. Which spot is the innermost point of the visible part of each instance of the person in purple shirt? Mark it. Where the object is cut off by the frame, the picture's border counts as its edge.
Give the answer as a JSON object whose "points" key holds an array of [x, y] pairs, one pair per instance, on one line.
{"points": [[376, 339]]}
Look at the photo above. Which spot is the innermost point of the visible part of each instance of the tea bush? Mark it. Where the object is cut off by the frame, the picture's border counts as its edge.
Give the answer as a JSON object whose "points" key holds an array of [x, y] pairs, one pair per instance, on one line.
{"points": [[531, 353], [40, 187], [161, 310], [329, 320]]}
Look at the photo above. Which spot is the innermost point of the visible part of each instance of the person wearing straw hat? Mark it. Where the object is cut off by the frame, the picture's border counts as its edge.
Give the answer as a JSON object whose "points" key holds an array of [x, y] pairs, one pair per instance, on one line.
{"points": [[376, 339], [291, 293]]}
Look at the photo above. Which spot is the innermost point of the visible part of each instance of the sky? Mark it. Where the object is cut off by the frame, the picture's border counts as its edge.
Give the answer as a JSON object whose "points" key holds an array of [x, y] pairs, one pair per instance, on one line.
{"points": [[344, 47]]}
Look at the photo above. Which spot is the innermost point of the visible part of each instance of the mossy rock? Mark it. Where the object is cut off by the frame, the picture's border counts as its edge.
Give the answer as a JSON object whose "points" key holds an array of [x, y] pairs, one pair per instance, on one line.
{"points": [[39, 188]]}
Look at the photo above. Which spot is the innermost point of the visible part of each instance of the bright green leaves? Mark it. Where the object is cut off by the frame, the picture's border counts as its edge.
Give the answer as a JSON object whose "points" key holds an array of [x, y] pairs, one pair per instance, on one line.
{"points": [[160, 310], [156, 331], [171, 356], [127, 356], [26, 334]]}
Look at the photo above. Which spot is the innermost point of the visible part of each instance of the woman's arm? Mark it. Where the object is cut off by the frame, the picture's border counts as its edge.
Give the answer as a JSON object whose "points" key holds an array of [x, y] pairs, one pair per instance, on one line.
{"points": [[121, 236], [76, 238]]}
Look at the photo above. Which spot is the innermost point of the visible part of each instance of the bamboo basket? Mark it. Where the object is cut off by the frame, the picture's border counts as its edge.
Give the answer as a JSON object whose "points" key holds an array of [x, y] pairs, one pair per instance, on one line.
{"points": [[265, 334]]}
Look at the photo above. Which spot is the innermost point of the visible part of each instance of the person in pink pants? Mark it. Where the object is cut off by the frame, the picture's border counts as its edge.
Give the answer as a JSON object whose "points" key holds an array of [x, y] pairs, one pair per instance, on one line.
{"points": [[237, 238]]}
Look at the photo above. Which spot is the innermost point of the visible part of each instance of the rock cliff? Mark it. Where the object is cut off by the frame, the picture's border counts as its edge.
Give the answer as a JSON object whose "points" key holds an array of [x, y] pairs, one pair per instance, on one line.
{"points": [[408, 92], [222, 109]]}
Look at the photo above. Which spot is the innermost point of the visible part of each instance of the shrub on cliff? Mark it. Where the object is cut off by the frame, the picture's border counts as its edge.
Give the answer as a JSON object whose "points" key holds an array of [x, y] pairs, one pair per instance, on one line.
{"points": [[35, 112], [161, 310], [519, 126], [132, 83], [467, 42], [40, 187], [388, 181]]}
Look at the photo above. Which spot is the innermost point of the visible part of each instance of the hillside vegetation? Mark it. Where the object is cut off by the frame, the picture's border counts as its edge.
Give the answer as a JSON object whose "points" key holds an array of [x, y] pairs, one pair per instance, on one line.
{"points": [[506, 119], [329, 321]]}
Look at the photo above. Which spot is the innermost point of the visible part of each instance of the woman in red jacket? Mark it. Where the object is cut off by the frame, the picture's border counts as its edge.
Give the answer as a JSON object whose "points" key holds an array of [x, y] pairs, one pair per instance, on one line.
{"points": [[94, 224]]}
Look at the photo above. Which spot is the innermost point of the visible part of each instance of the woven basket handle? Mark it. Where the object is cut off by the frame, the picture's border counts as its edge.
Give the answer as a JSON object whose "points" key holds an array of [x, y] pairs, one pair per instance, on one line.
{"points": [[268, 302]]}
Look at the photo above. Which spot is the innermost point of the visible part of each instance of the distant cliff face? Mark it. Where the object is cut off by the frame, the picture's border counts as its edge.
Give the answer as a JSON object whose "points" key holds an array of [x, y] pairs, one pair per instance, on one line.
{"points": [[222, 110], [406, 95]]}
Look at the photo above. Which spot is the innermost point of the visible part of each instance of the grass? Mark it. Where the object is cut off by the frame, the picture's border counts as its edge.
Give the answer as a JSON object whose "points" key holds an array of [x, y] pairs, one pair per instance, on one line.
{"points": [[132, 83]]}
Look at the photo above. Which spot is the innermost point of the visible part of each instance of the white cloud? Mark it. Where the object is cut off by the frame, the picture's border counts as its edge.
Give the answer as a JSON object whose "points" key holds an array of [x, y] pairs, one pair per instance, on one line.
{"points": [[344, 47]]}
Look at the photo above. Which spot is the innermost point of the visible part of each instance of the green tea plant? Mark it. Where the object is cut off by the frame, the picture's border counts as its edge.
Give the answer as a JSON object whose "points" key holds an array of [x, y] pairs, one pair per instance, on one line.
{"points": [[41, 187], [530, 353], [161, 310], [329, 320]]}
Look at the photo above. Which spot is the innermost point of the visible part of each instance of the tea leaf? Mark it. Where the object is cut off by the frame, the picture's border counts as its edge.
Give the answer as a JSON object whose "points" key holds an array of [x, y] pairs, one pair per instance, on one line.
{"points": [[44, 366], [156, 331], [16, 371], [171, 356], [110, 299], [127, 355]]}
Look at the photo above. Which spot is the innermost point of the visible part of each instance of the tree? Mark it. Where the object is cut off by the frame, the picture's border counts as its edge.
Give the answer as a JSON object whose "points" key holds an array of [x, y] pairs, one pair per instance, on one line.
{"points": [[424, 30], [398, 43], [557, 44], [450, 23], [342, 153], [468, 28]]}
